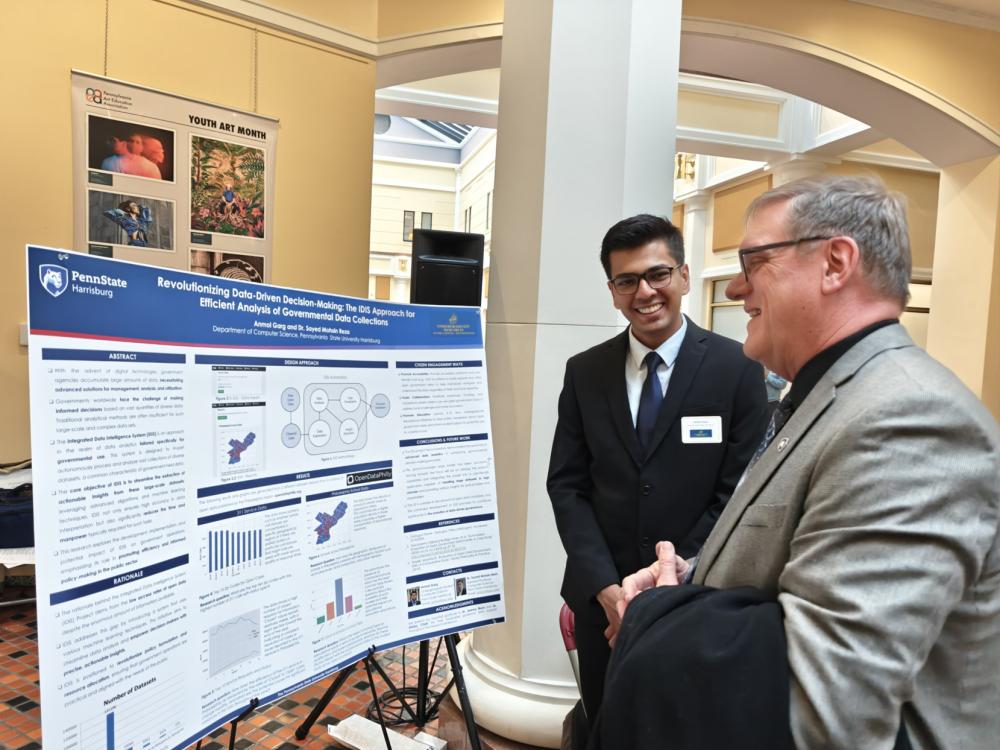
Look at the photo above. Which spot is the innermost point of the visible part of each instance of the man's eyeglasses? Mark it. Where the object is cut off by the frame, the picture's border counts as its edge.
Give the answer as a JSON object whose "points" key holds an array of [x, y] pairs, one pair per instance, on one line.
{"points": [[745, 251], [657, 278]]}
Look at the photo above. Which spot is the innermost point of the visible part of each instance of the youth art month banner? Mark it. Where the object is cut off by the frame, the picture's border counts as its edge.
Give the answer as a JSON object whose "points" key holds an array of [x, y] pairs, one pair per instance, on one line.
{"points": [[239, 488], [171, 181]]}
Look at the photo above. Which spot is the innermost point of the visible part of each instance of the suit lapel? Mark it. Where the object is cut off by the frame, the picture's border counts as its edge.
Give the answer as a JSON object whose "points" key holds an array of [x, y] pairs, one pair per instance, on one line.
{"points": [[784, 443], [613, 384], [780, 448], [685, 367]]}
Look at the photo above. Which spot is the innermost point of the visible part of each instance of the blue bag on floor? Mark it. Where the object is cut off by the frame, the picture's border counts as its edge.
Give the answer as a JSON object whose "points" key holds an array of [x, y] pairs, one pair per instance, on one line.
{"points": [[16, 521]]}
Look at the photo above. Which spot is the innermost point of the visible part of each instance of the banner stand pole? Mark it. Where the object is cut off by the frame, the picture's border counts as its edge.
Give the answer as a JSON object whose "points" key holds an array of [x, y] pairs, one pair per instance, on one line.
{"points": [[335, 686], [451, 643], [369, 660], [254, 702]]}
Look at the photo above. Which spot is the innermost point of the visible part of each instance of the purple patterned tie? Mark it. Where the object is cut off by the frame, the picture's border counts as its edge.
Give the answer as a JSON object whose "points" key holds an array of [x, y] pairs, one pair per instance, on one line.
{"points": [[779, 416]]}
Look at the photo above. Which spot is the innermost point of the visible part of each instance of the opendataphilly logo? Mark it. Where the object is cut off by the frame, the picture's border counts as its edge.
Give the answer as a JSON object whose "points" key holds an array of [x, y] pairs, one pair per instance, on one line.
{"points": [[55, 279]]}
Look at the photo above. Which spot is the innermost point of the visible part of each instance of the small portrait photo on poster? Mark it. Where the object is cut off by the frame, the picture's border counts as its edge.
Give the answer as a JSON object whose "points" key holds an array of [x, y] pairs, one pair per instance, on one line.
{"points": [[413, 597], [227, 188], [130, 220], [131, 148], [460, 589], [239, 266]]}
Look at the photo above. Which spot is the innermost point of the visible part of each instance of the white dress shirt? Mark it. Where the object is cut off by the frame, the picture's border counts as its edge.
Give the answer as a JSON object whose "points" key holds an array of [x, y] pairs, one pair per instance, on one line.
{"points": [[635, 368]]}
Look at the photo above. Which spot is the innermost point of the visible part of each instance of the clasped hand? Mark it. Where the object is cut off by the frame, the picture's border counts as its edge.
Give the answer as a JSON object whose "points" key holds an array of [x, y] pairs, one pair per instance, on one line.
{"points": [[668, 570]]}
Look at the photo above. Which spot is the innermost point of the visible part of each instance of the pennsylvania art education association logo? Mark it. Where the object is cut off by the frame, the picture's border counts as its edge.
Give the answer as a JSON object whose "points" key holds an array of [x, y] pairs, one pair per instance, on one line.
{"points": [[55, 279]]}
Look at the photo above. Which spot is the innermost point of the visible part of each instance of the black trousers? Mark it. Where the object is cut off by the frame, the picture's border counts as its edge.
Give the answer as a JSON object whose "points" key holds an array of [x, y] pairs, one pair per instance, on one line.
{"points": [[594, 653]]}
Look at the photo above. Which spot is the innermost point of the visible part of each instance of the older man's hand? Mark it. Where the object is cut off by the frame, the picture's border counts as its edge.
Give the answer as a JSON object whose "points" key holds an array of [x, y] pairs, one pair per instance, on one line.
{"points": [[668, 570]]}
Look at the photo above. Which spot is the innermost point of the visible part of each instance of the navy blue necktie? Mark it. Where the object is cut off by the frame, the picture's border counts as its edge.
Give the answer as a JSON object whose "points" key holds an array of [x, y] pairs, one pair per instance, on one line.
{"points": [[650, 401]]}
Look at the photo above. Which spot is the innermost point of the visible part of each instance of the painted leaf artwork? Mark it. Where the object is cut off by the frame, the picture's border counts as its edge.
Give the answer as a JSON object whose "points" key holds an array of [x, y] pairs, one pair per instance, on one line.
{"points": [[227, 188]]}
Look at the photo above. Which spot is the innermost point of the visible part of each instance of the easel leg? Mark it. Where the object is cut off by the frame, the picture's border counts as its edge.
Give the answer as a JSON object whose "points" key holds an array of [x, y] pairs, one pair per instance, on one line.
{"points": [[450, 642], [254, 702], [369, 659], [422, 678], [337, 684]]}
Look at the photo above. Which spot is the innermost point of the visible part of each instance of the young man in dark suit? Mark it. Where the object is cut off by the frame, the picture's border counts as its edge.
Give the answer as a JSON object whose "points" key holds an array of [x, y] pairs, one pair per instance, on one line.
{"points": [[655, 428]]}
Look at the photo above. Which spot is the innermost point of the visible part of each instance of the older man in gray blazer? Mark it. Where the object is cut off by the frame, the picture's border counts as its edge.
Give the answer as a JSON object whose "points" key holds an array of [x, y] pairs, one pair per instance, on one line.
{"points": [[871, 509]]}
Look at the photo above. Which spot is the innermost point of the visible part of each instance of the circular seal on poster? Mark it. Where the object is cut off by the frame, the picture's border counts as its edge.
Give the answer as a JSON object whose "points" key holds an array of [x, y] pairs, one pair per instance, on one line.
{"points": [[237, 268]]}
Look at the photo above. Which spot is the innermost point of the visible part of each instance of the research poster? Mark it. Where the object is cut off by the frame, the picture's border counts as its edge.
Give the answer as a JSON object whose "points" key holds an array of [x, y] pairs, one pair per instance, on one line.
{"points": [[171, 181], [239, 488]]}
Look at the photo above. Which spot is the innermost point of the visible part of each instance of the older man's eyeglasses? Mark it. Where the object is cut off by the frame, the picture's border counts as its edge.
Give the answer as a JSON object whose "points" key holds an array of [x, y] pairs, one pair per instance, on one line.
{"points": [[657, 278], [745, 251]]}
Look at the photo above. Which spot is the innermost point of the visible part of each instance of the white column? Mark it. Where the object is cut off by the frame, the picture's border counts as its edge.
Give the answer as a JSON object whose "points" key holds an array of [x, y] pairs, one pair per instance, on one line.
{"points": [[588, 95], [695, 248]]}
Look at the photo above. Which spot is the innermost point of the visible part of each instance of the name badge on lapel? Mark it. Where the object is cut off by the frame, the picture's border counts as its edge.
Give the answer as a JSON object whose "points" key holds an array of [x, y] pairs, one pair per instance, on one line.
{"points": [[701, 429]]}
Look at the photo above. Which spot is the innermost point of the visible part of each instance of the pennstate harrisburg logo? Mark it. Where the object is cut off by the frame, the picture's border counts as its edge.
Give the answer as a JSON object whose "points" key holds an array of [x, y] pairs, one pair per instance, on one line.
{"points": [[453, 319], [55, 279]]}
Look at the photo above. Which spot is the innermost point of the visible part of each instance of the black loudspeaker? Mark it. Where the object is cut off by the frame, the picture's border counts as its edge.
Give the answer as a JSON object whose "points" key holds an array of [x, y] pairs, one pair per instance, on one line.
{"points": [[447, 268]]}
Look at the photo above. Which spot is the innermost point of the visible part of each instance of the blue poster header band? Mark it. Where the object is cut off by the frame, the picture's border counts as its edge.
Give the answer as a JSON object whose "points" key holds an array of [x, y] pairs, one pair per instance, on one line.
{"points": [[430, 365], [208, 359], [443, 439], [453, 605], [450, 572], [121, 579], [239, 512], [249, 484], [442, 522], [91, 355], [87, 296]]}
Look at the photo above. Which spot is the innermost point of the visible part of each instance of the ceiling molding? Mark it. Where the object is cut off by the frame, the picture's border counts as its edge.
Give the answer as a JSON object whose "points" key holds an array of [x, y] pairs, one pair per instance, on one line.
{"points": [[435, 105], [754, 92], [848, 137], [386, 106], [440, 38], [257, 11], [890, 160], [953, 12], [282, 20], [917, 117]]}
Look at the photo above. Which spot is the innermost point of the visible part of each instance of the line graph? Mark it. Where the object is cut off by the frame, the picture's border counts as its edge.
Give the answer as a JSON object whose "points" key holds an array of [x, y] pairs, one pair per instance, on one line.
{"points": [[233, 641]]}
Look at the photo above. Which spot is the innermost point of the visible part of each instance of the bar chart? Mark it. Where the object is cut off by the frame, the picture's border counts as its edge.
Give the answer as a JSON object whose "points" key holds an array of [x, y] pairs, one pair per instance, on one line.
{"points": [[342, 604], [232, 549], [144, 720]]}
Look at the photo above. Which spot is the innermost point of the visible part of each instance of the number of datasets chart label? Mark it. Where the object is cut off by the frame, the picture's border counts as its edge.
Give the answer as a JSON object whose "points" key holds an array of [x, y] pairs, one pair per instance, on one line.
{"points": [[145, 717], [233, 641], [334, 417]]}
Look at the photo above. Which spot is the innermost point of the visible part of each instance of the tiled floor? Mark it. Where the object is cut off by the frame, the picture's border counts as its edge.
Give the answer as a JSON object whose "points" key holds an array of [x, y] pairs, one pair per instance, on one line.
{"points": [[271, 727]]}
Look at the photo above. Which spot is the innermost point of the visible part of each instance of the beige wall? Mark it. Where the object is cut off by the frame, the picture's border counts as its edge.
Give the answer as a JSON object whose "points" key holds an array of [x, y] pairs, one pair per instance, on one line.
{"points": [[958, 63], [477, 188], [354, 16], [323, 166], [729, 207], [403, 17], [921, 191], [401, 187], [696, 109]]}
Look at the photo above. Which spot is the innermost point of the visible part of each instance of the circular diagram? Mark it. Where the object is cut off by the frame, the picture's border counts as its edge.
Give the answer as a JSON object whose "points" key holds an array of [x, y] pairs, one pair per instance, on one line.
{"points": [[319, 433], [349, 431], [291, 435], [290, 399]]}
